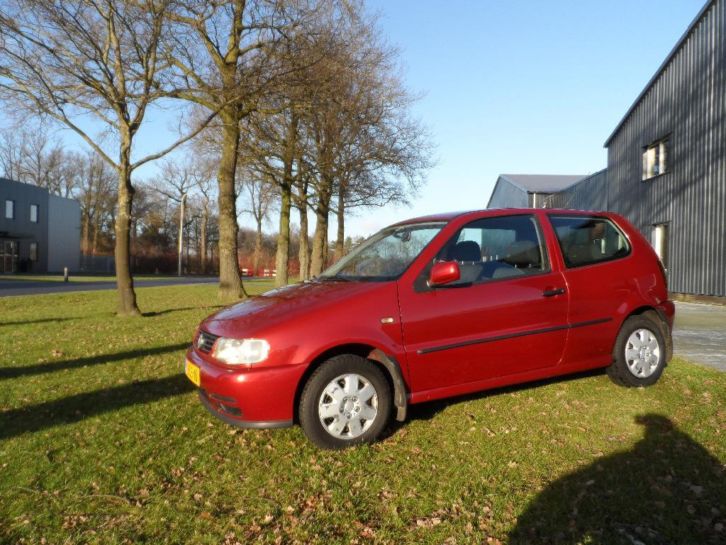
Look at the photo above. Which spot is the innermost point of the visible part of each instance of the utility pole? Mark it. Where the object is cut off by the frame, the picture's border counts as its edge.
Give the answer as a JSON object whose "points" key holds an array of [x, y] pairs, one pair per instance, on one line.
{"points": [[181, 234]]}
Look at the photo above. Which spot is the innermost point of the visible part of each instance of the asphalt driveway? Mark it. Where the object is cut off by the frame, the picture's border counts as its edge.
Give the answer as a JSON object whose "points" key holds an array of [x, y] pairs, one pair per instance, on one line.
{"points": [[37, 287], [699, 334]]}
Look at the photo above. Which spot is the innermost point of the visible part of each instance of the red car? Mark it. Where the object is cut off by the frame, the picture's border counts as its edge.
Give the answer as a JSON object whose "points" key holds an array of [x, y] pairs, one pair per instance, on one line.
{"points": [[436, 307]]}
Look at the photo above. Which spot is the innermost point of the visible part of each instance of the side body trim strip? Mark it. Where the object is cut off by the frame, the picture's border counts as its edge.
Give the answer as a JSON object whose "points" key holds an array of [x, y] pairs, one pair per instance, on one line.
{"points": [[513, 335]]}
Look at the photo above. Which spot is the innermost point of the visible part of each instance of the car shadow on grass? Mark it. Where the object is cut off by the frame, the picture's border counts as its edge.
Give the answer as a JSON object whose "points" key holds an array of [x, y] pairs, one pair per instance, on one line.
{"points": [[50, 367], [78, 407], [666, 489]]}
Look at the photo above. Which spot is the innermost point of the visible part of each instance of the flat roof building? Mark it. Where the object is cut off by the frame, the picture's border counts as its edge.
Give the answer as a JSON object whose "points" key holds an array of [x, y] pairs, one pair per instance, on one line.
{"points": [[528, 190], [39, 232]]}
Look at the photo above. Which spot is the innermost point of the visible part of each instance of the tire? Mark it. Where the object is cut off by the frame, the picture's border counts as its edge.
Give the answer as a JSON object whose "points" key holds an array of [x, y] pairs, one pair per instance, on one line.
{"points": [[639, 355], [346, 401]]}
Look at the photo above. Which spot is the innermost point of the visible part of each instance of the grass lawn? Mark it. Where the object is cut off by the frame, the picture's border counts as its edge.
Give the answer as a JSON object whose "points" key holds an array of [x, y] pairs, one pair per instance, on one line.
{"points": [[102, 440]]}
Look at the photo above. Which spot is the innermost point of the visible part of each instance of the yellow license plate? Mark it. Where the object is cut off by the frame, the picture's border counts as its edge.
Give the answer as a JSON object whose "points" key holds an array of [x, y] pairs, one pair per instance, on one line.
{"points": [[192, 373]]}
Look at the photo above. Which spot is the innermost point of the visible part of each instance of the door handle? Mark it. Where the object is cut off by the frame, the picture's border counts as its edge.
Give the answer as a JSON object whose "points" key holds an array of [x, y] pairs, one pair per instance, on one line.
{"points": [[551, 292]]}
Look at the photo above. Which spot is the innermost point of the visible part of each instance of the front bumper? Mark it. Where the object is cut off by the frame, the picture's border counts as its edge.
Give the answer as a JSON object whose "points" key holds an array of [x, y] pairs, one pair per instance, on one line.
{"points": [[248, 397]]}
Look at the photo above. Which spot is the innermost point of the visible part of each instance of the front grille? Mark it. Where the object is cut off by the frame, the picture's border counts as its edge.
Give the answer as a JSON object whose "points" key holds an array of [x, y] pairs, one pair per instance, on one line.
{"points": [[205, 341]]}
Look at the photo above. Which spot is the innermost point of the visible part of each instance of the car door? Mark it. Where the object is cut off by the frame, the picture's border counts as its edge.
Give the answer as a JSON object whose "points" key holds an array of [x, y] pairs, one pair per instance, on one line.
{"points": [[506, 315]]}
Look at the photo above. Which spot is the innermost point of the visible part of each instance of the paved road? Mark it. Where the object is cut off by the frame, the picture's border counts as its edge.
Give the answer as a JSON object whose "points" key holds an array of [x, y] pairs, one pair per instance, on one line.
{"points": [[699, 334], [33, 287]]}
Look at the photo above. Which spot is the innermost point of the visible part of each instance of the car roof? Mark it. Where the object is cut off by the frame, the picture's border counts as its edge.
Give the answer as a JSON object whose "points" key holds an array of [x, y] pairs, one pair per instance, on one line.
{"points": [[448, 216]]}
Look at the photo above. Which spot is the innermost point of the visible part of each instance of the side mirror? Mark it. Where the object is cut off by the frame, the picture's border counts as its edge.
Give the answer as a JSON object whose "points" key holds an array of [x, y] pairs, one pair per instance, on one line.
{"points": [[444, 272]]}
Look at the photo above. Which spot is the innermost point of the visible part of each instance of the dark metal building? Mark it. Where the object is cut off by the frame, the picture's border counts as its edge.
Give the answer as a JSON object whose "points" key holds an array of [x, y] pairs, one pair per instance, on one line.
{"points": [[590, 193], [39, 232], [528, 190], [667, 158], [666, 167]]}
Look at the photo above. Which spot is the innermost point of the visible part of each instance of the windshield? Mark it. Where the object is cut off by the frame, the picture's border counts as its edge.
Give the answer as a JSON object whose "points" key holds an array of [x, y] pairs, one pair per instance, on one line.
{"points": [[386, 255]]}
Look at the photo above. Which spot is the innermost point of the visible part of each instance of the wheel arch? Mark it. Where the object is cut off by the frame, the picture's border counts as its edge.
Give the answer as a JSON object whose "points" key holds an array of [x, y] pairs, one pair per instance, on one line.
{"points": [[657, 317], [388, 364]]}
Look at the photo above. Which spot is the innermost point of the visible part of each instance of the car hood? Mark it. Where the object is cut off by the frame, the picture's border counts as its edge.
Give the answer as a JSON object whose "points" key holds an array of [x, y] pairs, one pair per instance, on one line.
{"points": [[285, 304]]}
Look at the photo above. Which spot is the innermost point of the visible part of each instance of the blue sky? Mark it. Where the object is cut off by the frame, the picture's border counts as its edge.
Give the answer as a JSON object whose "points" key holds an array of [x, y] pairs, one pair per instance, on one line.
{"points": [[515, 86], [521, 86]]}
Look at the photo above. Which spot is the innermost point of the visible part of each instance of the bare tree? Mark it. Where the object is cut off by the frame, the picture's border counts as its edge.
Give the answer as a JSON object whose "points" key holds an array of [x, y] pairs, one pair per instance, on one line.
{"points": [[204, 188], [274, 141], [366, 149], [258, 197], [231, 55], [95, 189], [215, 48], [11, 153], [28, 154], [300, 201], [175, 181], [42, 160], [90, 58], [270, 148]]}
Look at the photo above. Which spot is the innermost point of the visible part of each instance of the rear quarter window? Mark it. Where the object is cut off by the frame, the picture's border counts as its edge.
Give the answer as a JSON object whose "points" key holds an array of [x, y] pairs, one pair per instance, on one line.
{"points": [[587, 240]]}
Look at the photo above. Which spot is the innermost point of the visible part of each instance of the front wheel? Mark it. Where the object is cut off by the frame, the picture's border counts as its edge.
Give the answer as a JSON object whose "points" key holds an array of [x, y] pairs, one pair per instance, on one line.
{"points": [[639, 356], [346, 401]]}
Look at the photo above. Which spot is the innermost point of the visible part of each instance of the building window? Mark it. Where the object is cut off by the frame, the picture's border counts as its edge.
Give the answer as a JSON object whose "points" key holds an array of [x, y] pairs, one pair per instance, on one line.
{"points": [[9, 209], [33, 251], [34, 213], [660, 242], [655, 158]]}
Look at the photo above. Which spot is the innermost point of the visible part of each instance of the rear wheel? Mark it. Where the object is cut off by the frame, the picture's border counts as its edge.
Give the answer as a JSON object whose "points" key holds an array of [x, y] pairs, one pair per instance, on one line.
{"points": [[345, 402], [639, 355]]}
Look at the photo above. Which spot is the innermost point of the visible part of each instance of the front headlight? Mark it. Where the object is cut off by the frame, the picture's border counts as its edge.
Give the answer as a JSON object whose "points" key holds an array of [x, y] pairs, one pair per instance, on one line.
{"points": [[236, 351]]}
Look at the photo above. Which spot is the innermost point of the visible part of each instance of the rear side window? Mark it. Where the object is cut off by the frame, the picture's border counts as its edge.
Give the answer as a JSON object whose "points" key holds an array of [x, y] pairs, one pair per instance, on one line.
{"points": [[586, 240]]}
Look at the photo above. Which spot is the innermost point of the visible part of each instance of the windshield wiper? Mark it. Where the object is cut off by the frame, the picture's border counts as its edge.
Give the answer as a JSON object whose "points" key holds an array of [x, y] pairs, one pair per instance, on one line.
{"points": [[334, 278]]}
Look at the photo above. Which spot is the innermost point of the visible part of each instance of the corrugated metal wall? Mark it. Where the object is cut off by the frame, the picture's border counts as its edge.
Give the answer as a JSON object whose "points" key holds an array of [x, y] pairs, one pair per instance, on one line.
{"points": [[588, 194], [506, 195], [688, 102]]}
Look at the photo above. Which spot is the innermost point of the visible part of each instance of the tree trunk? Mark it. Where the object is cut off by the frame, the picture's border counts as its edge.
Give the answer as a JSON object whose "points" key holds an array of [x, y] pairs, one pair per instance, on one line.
{"points": [[230, 285], [304, 251], [340, 240], [180, 240], [203, 242], [282, 256], [187, 267], [132, 241], [96, 229], [124, 282], [326, 241], [283, 237], [320, 238], [258, 249], [86, 236]]}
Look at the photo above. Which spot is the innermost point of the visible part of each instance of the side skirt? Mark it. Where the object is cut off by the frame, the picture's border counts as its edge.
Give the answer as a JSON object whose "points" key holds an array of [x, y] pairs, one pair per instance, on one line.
{"points": [[507, 380]]}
